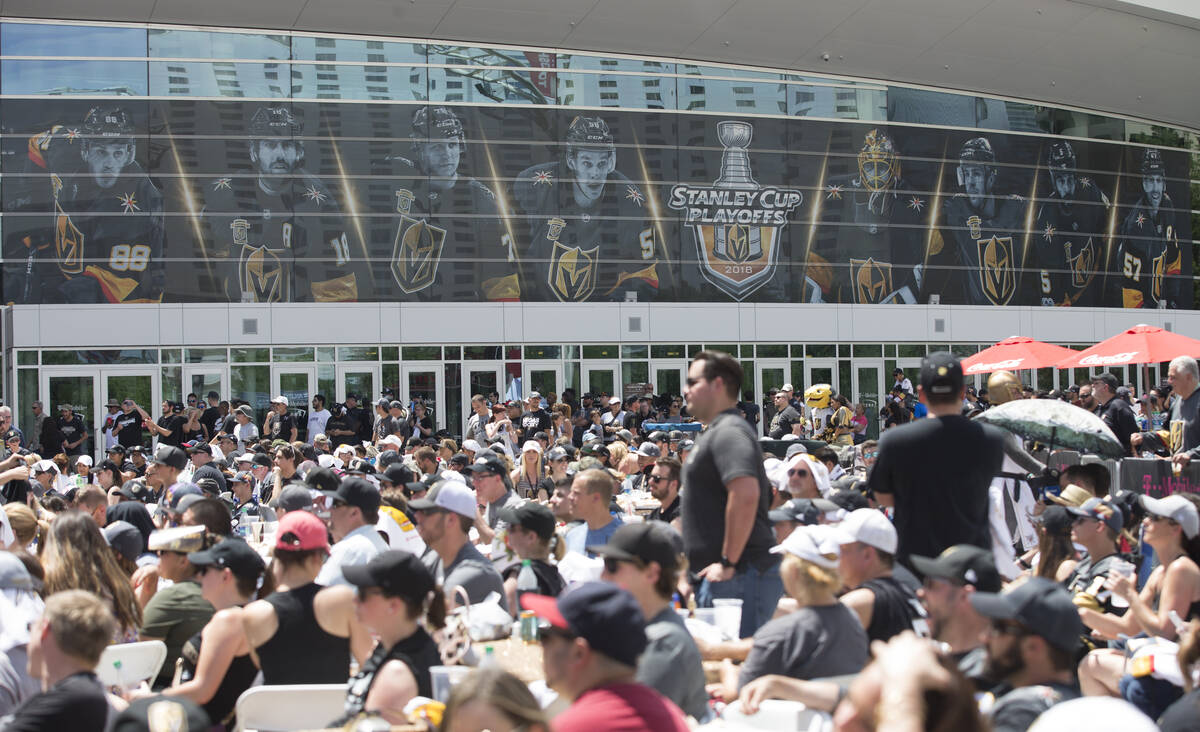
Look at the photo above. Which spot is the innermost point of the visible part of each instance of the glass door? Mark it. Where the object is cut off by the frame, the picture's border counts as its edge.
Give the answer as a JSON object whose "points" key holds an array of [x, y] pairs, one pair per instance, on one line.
{"points": [[358, 379], [200, 380], [298, 384], [424, 382], [543, 377], [483, 378], [600, 377], [770, 374], [868, 391], [78, 391], [140, 386], [668, 377], [818, 371]]}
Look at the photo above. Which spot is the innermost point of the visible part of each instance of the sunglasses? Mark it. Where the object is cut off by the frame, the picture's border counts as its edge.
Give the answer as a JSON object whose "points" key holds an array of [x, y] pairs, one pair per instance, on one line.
{"points": [[656, 478], [798, 473], [612, 564]]}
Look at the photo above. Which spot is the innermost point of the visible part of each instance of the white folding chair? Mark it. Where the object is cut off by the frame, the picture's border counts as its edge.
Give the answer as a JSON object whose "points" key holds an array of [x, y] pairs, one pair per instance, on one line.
{"points": [[127, 664], [777, 715], [295, 707]]}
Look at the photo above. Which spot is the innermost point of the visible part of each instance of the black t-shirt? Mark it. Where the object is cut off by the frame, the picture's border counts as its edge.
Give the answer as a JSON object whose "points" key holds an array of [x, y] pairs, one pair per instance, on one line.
{"points": [[536, 421], [174, 426], [1183, 715], [666, 513], [75, 704], [418, 651], [938, 471], [131, 429], [340, 430], [1118, 415], [281, 426], [390, 425], [550, 582], [896, 609], [781, 423], [726, 450], [72, 429], [238, 677], [1015, 710], [211, 418], [208, 470]]}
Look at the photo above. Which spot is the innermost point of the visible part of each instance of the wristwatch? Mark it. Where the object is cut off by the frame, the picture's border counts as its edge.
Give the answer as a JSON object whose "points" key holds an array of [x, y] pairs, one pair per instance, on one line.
{"points": [[726, 563]]}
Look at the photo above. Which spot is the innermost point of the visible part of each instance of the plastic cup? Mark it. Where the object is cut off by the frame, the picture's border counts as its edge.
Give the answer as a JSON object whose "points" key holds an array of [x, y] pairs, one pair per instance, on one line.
{"points": [[707, 615], [729, 617], [445, 678]]}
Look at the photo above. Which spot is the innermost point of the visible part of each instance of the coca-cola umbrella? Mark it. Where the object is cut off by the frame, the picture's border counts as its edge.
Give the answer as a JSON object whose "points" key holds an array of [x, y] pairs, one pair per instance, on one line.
{"points": [[1015, 352], [1055, 423], [1139, 344]]}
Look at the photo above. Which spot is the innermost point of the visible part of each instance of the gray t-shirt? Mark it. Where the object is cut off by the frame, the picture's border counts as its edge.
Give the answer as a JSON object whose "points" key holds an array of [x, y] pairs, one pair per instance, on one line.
{"points": [[475, 574], [1184, 425], [671, 664], [509, 499], [15, 684], [811, 643]]}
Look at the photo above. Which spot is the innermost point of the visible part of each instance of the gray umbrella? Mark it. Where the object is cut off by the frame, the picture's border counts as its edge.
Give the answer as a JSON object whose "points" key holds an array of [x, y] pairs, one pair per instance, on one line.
{"points": [[1057, 424]]}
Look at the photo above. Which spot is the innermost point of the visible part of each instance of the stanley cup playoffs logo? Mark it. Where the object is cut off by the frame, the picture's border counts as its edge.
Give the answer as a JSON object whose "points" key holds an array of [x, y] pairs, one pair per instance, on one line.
{"points": [[736, 222]]}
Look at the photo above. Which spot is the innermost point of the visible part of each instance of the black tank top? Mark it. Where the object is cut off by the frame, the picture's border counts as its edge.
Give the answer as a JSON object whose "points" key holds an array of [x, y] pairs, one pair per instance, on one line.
{"points": [[418, 651], [895, 610], [301, 652], [237, 679]]}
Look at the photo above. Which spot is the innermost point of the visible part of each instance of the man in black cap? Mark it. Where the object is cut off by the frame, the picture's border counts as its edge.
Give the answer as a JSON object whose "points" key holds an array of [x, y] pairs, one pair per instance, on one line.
{"points": [[1031, 649], [396, 422], [202, 466], [341, 429], [73, 430], [352, 522], [494, 490], [1115, 412], [531, 528], [950, 580], [644, 560], [594, 634], [164, 468], [1096, 527], [936, 472]]}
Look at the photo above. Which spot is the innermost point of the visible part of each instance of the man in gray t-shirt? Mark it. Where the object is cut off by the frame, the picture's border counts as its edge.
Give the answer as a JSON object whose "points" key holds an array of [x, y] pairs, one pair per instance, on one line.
{"points": [[444, 516], [645, 559], [811, 643], [1184, 421]]}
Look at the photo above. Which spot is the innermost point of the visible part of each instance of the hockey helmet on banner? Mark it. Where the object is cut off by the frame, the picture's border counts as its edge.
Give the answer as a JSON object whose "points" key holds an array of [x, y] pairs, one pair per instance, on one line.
{"points": [[108, 122], [589, 133], [878, 164], [437, 123], [1152, 163], [1062, 156], [274, 122], [976, 151]]}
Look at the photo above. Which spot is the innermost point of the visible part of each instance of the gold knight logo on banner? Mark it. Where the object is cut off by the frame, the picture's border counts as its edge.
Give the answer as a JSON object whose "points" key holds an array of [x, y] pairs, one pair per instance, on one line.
{"points": [[1083, 263], [736, 222], [416, 254], [872, 280], [997, 269], [573, 270]]}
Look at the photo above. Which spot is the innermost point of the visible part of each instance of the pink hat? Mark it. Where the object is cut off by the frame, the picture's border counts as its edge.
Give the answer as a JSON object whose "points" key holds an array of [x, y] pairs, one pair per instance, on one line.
{"points": [[301, 531]]}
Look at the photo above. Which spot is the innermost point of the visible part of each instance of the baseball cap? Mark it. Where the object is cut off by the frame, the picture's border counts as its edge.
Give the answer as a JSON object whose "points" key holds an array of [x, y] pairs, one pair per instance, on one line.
{"points": [[187, 502], [395, 571], [533, 395], [530, 515], [471, 445], [136, 490], [625, 436], [201, 447], [941, 373], [124, 537], [158, 712], [1178, 509], [322, 479], [604, 615], [556, 453], [231, 553], [449, 495], [294, 497], [803, 510], [281, 399], [685, 445], [614, 400], [358, 492], [397, 474], [181, 491], [1107, 379], [460, 458], [648, 449], [85, 459], [488, 465], [170, 456], [870, 527], [14, 575], [812, 543], [532, 446], [963, 564], [395, 404], [1072, 495], [261, 459], [246, 411], [1055, 520], [1104, 512], [1039, 604], [301, 531], [116, 448], [787, 387], [650, 541], [241, 476]]}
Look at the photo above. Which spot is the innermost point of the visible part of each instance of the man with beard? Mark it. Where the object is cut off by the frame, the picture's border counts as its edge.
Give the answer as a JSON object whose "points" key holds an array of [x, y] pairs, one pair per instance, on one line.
{"points": [[1031, 649], [950, 580], [1149, 256], [1068, 238], [281, 230], [664, 486], [449, 244], [108, 219], [589, 236], [981, 227]]}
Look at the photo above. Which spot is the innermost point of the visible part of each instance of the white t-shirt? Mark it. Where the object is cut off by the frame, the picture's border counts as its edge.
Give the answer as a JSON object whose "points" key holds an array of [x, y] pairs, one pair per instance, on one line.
{"points": [[245, 433], [316, 423]]}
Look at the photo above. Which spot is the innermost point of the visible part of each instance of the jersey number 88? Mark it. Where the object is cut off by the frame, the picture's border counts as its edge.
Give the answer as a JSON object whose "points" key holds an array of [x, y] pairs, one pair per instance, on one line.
{"points": [[129, 258]]}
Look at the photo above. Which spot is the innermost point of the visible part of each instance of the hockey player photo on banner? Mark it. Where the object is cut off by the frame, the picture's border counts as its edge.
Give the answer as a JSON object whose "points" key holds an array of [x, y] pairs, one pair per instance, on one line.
{"points": [[1150, 263]]}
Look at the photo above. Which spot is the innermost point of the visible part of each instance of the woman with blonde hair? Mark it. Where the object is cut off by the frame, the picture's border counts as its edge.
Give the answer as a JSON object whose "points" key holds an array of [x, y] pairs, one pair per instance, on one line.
{"points": [[492, 699], [76, 557], [620, 459], [526, 476], [446, 450], [822, 637], [26, 526]]}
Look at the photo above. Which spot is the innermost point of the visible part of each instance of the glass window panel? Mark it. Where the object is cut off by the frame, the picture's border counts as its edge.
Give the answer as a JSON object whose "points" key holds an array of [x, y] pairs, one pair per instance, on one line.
{"points": [[249, 355], [634, 372], [252, 384], [668, 381], [391, 353], [668, 351], [452, 384], [481, 353], [220, 79], [605, 63], [181, 43], [862, 350], [773, 351], [543, 351], [67, 358], [358, 353], [171, 385], [27, 394], [748, 389], [39, 39], [729, 348], [483, 381], [747, 351], [543, 381], [617, 90], [512, 353], [484, 82], [1027, 117], [351, 81], [911, 350], [298, 354], [27, 358], [172, 355], [600, 381], [571, 352], [452, 353], [390, 373], [821, 350], [836, 102], [693, 349], [571, 377], [421, 353], [79, 393], [326, 353], [205, 355], [962, 350], [635, 351], [327, 384], [600, 351], [110, 78], [845, 384], [890, 350], [743, 97], [729, 73], [1081, 124], [797, 375], [310, 48]]}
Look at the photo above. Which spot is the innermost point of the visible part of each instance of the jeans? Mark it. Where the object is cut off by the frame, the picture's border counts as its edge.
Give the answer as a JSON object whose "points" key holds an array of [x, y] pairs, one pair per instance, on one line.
{"points": [[758, 589], [1149, 694]]}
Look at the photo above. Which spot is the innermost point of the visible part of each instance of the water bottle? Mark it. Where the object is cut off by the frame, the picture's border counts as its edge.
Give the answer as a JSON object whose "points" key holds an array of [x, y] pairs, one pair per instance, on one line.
{"points": [[526, 580]]}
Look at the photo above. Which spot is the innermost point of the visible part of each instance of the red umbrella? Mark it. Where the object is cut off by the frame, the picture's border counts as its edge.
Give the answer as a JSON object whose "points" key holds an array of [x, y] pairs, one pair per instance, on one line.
{"points": [[1015, 352], [1139, 344]]}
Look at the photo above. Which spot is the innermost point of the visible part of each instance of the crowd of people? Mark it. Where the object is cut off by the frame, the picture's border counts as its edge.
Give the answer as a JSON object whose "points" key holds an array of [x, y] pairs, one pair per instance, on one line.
{"points": [[939, 577]]}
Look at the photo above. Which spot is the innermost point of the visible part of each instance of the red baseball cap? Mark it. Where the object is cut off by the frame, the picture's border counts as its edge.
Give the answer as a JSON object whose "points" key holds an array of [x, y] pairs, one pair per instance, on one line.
{"points": [[301, 531]]}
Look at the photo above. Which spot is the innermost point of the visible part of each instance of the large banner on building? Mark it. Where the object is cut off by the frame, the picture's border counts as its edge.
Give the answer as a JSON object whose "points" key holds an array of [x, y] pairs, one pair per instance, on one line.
{"points": [[207, 201]]}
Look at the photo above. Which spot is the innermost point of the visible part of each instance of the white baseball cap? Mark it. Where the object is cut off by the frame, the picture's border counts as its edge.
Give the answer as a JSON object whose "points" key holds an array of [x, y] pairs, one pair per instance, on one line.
{"points": [[812, 543], [393, 440], [614, 400], [471, 445], [280, 400], [532, 446], [787, 387], [450, 495], [1178, 509], [870, 527], [85, 459]]}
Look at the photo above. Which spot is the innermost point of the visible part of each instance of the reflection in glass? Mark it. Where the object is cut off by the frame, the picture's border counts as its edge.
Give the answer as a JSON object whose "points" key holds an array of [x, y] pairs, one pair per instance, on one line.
{"points": [[180, 43], [324, 48], [749, 97], [109, 78], [45, 39], [219, 79], [350, 81], [617, 90], [485, 82], [836, 102]]}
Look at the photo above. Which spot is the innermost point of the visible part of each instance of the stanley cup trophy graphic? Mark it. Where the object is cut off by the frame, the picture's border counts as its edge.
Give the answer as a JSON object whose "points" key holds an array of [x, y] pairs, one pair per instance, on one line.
{"points": [[736, 244]]}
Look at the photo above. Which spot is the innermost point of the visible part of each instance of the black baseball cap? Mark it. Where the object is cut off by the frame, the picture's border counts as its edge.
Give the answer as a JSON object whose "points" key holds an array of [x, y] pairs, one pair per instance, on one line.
{"points": [[649, 541], [963, 564], [531, 515], [322, 479], [1107, 379], [136, 490], [398, 474], [200, 447], [261, 459], [1100, 510], [386, 458], [395, 571], [460, 458], [1055, 520], [181, 492], [487, 465], [230, 553], [117, 448], [294, 497], [356, 491], [170, 456], [1041, 605], [941, 373], [604, 615]]}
